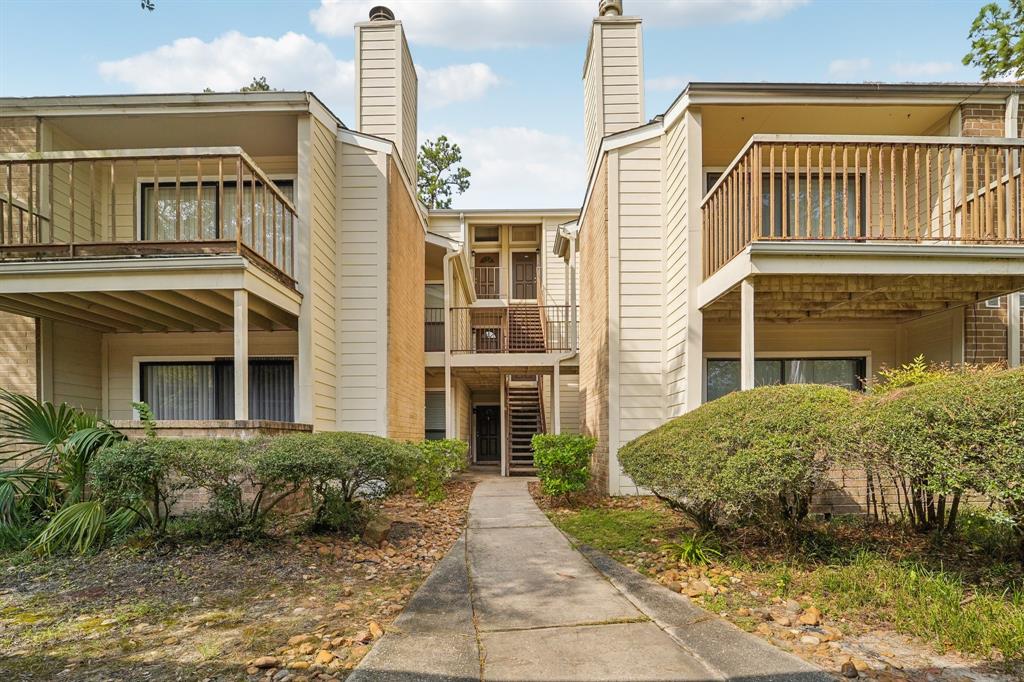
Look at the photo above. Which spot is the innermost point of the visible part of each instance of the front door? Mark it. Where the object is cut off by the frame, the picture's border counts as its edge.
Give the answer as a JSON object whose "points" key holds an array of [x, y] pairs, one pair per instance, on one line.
{"points": [[488, 434], [524, 276]]}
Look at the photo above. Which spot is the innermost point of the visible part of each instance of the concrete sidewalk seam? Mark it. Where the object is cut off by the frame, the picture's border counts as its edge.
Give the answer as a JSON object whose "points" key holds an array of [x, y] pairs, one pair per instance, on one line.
{"points": [[584, 624], [472, 600]]}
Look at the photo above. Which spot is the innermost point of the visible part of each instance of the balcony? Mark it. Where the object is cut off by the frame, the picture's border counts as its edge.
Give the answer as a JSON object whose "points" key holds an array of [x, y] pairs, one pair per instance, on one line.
{"points": [[858, 189], [514, 329], [145, 202]]}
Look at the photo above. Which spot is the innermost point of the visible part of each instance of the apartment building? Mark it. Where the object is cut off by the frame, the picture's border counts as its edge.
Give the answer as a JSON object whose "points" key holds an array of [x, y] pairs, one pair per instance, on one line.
{"points": [[236, 261], [249, 262], [761, 233]]}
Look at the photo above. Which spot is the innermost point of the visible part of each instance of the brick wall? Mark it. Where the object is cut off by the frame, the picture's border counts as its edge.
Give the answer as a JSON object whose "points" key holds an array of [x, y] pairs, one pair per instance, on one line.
{"points": [[985, 333], [406, 246], [593, 267], [982, 120], [18, 334]]}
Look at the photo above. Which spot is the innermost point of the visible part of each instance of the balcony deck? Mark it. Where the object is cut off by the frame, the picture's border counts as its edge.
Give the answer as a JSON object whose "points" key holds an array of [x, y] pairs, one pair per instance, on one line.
{"points": [[144, 202], [944, 191]]}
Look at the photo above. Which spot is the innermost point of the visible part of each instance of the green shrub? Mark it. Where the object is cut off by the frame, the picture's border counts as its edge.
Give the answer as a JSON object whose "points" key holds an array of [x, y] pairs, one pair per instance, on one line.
{"points": [[563, 462], [959, 432], [751, 457], [141, 475], [343, 472], [438, 462]]}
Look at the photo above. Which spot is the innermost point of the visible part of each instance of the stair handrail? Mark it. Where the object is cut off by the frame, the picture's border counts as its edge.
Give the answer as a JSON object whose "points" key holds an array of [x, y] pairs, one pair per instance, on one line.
{"points": [[542, 309], [540, 405]]}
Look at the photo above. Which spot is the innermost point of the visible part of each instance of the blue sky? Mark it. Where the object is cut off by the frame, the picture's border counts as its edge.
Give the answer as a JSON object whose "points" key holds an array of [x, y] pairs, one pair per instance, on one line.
{"points": [[500, 77]]}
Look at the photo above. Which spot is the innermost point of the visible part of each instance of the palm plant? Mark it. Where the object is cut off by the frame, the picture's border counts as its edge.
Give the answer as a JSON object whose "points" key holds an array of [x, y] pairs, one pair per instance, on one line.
{"points": [[45, 452]]}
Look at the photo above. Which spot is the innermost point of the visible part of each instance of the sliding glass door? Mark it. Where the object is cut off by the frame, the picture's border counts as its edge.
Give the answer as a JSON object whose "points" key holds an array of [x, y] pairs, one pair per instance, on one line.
{"points": [[809, 205], [723, 374], [205, 390]]}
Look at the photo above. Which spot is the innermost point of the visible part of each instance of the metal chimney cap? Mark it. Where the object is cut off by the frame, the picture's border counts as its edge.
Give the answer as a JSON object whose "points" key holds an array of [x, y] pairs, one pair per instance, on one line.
{"points": [[381, 13], [610, 8]]}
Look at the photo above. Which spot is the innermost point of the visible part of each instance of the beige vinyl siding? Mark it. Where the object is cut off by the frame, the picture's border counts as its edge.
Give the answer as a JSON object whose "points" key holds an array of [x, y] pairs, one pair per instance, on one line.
{"points": [[570, 402], [593, 129], [621, 86], [407, 141], [76, 362], [362, 294], [386, 90], [556, 270], [676, 271], [123, 349], [462, 403], [640, 312], [612, 81], [323, 247]]}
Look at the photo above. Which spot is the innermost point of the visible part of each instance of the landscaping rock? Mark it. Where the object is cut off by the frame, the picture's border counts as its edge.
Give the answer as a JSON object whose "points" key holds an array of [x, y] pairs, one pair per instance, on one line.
{"points": [[376, 631], [849, 670], [265, 662], [811, 616], [377, 530], [323, 657]]}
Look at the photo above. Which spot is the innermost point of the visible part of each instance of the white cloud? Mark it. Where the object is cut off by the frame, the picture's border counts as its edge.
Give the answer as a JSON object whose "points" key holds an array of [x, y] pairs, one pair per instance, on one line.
{"points": [[848, 68], [474, 24], [666, 83], [455, 83], [291, 62], [517, 167], [916, 70]]}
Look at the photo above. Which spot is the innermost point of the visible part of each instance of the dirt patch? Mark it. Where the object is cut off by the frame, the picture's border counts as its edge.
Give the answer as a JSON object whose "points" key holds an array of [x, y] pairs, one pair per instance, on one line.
{"points": [[293, 608]]}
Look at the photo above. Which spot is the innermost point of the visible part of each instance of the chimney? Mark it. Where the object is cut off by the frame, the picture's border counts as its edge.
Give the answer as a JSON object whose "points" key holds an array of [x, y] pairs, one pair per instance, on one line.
{"points": [[613, 76], [386, 84]]}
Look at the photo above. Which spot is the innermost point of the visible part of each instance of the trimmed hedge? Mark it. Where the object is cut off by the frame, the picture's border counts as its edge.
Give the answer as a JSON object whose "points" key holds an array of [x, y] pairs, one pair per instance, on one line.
{"points": [[751, 457], [957, 433], [343, 474], [563, 462]]}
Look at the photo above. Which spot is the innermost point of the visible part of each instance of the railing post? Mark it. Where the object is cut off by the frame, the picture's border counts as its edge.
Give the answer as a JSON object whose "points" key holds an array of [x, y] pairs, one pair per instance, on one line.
{"points": [[747, 334], [239, 188]]}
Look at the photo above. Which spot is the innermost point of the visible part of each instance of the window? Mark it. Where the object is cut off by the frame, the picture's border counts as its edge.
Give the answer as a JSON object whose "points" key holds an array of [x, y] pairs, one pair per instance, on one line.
{"points": [[206, 390], [485, 233], [798, 192], [434, 416], [169, 203], [723, 374], [996, 302]]}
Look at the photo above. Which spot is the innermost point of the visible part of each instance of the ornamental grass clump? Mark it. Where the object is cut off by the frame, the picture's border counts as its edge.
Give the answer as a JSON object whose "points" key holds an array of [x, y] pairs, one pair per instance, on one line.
{"points": [[749, 458]]}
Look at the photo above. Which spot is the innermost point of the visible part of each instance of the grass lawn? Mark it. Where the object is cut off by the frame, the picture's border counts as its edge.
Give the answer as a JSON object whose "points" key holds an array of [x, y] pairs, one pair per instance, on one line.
{"points": [[957, 601], [190, 610]]}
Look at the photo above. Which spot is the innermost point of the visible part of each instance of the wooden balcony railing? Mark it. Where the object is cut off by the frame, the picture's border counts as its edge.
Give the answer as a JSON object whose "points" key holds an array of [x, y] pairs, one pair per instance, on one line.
{"points": [[513, 329], [145, 201], [865, 189]]}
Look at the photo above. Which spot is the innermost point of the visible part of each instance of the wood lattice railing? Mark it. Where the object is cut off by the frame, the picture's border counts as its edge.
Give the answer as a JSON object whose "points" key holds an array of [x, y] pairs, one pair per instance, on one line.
{"points": [[144, 201], [864, 189]]}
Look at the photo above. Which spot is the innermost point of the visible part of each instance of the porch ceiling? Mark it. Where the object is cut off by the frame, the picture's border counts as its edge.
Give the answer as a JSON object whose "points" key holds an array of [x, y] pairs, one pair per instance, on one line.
{"points": [[489, 378], [147, 311], [791, 298]]}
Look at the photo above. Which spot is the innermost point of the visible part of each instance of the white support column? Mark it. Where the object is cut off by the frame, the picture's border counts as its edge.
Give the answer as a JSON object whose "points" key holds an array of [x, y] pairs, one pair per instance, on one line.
{"points": [[556, 400], [746, 334], [449, 404], [1013, 329], [241, 316]]}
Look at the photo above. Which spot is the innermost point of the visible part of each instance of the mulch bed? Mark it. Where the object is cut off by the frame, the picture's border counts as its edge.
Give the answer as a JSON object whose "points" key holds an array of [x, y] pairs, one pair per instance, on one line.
{"points": [[293, 607]]}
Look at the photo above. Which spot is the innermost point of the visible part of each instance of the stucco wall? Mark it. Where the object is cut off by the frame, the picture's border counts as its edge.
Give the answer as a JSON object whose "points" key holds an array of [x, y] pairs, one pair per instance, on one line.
{"points": [[405, 311]]}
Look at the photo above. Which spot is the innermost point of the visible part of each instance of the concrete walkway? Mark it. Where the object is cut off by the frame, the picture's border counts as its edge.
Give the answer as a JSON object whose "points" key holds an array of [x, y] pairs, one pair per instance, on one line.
{"points": [[513, 600]]}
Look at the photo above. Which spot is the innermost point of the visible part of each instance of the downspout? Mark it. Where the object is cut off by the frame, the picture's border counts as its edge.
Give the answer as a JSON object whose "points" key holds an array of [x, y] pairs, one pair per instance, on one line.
{"points": [[450, 426]]}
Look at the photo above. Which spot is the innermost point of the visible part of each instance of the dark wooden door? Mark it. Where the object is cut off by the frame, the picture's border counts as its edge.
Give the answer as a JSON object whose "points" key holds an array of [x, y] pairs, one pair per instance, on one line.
{"points": [[524, 276], [488, 434]]}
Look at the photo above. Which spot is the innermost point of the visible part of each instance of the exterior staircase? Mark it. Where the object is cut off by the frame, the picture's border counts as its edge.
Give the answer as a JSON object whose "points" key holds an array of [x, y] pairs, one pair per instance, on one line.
{"points": [[525, 412], [525, 331]]}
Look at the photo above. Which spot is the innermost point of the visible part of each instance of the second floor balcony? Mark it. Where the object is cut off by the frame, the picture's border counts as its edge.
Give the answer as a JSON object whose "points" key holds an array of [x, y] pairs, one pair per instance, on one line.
{"points": [[145, 202], [506, 329], [866, 189]]}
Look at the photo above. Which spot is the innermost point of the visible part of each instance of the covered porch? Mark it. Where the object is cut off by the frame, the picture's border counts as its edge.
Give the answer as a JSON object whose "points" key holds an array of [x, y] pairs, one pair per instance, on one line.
{"points": [[839, 313], [196, 337]]}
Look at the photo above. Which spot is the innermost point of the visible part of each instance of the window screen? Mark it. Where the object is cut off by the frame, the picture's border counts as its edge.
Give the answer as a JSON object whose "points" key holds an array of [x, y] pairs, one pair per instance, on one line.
{"points": [[434, 417]]}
